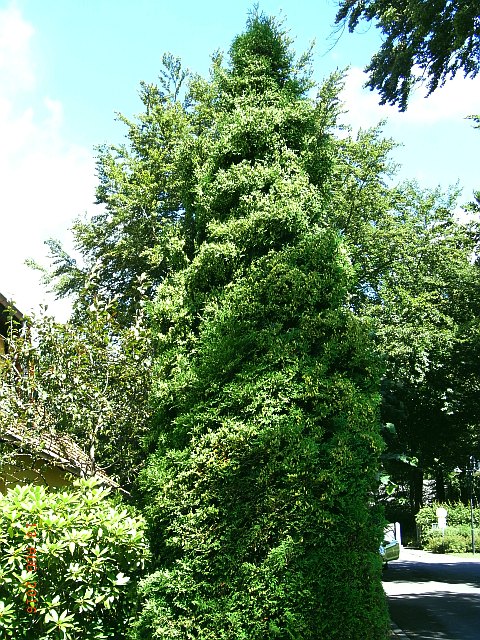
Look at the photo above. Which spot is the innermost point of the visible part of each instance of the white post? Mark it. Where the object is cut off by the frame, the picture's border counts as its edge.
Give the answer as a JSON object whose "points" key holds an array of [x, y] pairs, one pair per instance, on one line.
{"points": [[398, 533], [441, 514]]}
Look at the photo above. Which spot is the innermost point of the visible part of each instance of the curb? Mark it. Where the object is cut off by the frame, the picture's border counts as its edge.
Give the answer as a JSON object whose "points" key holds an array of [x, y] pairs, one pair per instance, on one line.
{"points": [[397, 632]]}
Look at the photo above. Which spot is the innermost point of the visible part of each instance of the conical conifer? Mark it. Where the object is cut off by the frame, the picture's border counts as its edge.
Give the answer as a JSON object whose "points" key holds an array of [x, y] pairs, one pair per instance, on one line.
{"points": [[266, 435]]}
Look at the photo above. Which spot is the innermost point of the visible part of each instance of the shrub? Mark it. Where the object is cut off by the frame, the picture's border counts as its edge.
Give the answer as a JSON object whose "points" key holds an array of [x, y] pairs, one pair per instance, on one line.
{"points": [[69, 563], [458, 519], [457, 537], [453, 540]]}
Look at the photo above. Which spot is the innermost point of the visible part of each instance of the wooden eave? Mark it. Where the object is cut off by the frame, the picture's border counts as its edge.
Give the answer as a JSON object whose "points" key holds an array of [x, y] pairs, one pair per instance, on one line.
{"points": [[58, 449]]}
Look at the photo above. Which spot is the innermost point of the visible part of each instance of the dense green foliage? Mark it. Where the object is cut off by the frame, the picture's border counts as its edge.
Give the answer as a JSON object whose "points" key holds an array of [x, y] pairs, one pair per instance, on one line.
{"points": [[281, 258], [266, 428], [453, 540], [433, 39], [418, 285], [79, 581], [411, 256], [426, 311]]}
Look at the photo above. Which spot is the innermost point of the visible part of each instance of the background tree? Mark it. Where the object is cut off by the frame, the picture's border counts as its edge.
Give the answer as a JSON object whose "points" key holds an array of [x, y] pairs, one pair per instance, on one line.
{"points": [[416, 283], [432, 40], [266, 388], [138, 231], [425, 306], [88, 377]]}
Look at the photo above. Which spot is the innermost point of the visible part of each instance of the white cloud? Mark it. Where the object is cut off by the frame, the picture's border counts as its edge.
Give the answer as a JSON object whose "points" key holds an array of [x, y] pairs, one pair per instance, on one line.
{"points": [[46, 181], [16, 65], [438, 145], [457, 99]]}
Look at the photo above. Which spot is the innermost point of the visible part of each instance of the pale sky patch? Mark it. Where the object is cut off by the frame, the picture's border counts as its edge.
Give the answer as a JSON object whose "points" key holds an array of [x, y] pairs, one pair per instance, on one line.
{"points": [[16, 64], [437, 140], [45, 180], [457, 99]]}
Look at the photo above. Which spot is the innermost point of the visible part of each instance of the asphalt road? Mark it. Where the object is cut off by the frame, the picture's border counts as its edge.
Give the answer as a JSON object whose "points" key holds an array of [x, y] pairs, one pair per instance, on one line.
{"points": [[434, 597]]}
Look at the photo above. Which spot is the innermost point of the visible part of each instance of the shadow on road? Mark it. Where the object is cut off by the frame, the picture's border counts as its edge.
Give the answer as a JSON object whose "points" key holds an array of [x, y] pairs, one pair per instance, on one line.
{"points": [[433, 597], [455, 572], [440, 615]]}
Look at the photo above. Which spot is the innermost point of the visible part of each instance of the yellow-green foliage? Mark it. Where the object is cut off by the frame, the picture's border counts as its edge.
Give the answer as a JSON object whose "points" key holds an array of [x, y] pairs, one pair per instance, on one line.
{"points": [[78, 582]]}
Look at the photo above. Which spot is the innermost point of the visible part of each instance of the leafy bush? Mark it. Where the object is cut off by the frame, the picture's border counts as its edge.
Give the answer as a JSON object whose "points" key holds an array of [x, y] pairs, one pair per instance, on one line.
{"points": [[452, 540], [457, 537], [87, 377], [69, 563], [458, 514]]}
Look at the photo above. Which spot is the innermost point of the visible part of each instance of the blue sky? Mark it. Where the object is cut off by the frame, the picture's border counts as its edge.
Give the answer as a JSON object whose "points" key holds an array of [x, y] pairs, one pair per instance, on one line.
{"points": [[67, 66]]}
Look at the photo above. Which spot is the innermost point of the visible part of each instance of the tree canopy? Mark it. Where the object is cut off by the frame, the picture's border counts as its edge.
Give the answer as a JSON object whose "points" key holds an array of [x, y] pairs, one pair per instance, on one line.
{"points": [[88, 377], [161, 205], [430, 40]]}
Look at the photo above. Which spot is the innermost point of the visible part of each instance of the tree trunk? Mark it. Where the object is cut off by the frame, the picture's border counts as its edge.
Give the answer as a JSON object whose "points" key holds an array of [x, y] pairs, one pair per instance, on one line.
{"points": [[416, 489]]}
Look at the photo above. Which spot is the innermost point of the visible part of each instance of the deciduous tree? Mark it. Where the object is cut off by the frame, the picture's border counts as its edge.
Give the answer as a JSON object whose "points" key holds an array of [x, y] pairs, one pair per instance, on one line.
{"points": [[432, 40], [88, 377], [138, 231]]}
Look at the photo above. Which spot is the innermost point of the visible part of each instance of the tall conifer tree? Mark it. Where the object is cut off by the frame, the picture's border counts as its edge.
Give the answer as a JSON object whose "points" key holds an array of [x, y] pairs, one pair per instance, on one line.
{"points": [[266, 434]]}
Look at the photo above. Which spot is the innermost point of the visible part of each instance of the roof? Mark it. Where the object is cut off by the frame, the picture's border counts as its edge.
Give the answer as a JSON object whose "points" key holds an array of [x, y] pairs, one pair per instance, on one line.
{"points": [[57, 448]]}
